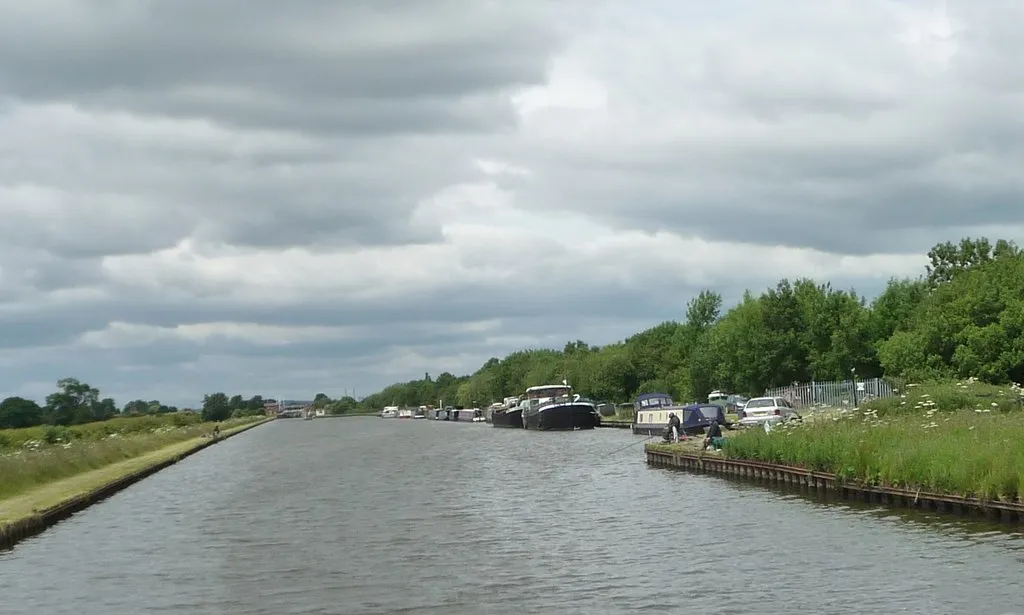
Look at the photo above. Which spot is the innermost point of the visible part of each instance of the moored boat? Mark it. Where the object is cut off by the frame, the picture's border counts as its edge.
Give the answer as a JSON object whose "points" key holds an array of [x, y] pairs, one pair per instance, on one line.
{"points": [[553, 407], [467, 415], [650, 412], [653, 409], [510, 414], [389, 412]]}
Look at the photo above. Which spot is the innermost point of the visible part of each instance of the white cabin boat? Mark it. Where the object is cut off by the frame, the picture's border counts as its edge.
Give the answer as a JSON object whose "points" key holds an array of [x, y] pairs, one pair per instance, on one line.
{"points": [[389, 412]]}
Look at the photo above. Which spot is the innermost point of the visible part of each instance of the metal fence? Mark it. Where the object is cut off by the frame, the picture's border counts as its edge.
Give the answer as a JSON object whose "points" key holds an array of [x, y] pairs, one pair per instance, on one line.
{"points": [[834, 394]]}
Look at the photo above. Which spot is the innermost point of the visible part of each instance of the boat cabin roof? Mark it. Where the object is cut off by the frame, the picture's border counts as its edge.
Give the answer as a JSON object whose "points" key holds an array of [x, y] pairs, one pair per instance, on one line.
{"points": [[652, 400], [548, 390], [714, 407], [545, 387]]}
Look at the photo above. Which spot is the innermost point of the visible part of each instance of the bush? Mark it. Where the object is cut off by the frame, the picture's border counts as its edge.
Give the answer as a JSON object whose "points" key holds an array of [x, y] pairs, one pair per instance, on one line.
{"points": [[56, 434]]}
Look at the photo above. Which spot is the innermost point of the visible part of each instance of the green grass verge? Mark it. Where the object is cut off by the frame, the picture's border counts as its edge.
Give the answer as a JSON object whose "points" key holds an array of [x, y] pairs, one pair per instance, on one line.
{"points": [[30, 458], [959, 438], [51, 494]]}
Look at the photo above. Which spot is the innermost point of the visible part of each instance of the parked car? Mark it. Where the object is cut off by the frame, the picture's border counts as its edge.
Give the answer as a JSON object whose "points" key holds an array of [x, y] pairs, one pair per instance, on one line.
{"points": [[762, 410], [733, 404]]}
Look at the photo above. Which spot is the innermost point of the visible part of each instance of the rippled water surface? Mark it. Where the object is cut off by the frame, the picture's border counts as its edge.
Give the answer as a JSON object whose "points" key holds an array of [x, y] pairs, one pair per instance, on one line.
{"points": [[354, 516]]}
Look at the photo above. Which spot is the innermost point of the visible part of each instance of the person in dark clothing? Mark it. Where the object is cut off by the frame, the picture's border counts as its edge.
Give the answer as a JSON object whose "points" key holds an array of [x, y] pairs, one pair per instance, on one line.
{"points": [[216, 431], [714, 431], [675, 427]]}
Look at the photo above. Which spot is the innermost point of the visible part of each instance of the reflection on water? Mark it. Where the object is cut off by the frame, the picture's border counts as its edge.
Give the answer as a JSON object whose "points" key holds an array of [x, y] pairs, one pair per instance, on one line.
{"points": [[369, 516], [931, 522]]}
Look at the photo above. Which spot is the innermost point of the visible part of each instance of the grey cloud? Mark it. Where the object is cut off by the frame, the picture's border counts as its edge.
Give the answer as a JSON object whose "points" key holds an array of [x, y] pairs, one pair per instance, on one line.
{"points": [[42, 329], [856, 147], [390, 98], [350, 53], [857, 197], [179, 371], [355, 115], [126, 127]]}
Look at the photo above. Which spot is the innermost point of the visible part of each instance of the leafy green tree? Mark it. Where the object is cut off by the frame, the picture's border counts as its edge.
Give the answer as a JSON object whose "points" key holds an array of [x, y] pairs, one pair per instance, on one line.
{"points": [[948, 260], [344, 405], [72, 403], [216, 407], [136, 407], [18, 412]]}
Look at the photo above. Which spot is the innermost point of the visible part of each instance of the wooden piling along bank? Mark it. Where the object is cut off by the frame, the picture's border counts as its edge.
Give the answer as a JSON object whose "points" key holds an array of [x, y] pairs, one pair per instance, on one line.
{"points": [[822, 484], [12, 533]]}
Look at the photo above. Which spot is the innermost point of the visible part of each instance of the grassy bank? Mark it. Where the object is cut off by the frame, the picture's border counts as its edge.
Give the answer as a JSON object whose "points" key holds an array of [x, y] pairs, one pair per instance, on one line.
{"points": [[37, 456], [961, 438], [58, 492]]}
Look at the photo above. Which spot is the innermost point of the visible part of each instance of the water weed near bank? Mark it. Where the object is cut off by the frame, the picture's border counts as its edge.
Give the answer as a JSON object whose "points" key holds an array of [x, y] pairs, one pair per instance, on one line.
{"points": [[961, 438]]}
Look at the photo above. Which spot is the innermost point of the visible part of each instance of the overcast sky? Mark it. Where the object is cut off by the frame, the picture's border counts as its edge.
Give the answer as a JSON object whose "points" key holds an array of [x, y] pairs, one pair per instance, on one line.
{"points": [[258, 196]]}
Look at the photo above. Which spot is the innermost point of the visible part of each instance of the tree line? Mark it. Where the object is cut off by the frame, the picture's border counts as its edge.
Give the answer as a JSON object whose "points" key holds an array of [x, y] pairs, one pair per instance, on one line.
{"points": [[76, 403], [963, 316], [218, 406]]}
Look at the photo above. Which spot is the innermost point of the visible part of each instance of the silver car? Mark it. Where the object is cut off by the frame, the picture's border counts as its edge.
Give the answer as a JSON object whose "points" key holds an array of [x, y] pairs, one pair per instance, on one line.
{"points": [[762, 410]]}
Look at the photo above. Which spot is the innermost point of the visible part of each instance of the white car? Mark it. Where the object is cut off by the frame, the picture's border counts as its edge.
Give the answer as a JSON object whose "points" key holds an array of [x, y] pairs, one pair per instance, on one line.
{"points": [[761, 410]]}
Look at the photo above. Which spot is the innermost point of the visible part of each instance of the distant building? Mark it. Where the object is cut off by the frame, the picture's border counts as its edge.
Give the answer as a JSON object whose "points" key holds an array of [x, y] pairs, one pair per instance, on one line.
{"points": [[290, 408]]}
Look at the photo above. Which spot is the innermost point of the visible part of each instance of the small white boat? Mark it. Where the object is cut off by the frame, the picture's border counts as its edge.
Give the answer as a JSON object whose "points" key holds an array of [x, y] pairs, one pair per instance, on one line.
{"points": [[468, 415], [389, 412], [405, 414]]}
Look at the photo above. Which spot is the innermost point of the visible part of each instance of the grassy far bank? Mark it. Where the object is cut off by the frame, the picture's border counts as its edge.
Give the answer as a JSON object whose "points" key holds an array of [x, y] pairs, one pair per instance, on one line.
{"points": [[51, 494], [961, 438], [36, 456]]}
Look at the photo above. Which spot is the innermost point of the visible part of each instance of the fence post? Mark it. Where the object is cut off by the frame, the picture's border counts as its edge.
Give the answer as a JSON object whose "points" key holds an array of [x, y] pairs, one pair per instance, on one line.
{"points": [[853, 374]]}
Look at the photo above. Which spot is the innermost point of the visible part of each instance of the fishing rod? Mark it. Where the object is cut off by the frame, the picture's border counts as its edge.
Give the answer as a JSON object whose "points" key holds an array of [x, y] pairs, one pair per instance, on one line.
{"points": [[622, 448]]}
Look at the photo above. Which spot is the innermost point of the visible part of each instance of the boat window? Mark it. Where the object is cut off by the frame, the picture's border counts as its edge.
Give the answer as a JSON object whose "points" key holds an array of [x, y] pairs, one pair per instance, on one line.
{"points": [[656, 402], [709, 412], [549, 392]]}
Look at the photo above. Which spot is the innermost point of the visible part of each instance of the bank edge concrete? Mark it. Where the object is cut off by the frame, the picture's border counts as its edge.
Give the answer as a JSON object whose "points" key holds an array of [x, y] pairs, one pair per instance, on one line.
{"points": [[16, 531], [615, 424], [822, 483]]}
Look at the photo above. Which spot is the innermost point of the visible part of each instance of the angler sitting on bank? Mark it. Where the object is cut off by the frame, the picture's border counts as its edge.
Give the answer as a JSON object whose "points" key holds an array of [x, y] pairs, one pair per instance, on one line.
{"points": [[674, 429], [714, 437]]}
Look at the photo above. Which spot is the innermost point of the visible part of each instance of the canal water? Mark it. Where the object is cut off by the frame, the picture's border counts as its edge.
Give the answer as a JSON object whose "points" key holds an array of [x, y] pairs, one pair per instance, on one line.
{"points": [[367, 516]]}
